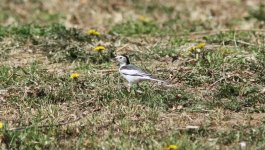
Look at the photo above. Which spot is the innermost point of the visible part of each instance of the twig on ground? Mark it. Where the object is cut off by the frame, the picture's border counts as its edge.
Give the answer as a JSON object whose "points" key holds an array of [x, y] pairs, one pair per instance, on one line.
{"points": [[243, 42], [119, 49], [43, 126], [108, 70], [221, 79]]}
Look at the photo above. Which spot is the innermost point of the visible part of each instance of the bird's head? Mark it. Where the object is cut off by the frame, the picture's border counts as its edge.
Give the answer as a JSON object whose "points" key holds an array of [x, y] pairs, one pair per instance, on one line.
{"points": [[122, 59]]}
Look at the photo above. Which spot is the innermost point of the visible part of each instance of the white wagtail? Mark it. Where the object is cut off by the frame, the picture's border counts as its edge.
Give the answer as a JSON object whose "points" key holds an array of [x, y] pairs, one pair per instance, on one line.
{"points": [[132, 73]]}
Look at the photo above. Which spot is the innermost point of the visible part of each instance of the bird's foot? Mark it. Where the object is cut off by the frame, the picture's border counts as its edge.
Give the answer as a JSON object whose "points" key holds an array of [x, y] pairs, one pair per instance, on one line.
{"points": [[139, 91], [129, 88]]}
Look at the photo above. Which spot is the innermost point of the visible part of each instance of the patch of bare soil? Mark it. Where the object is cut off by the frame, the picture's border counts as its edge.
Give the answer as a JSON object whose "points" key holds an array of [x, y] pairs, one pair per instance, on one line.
{"points": [[23, 58], [103, 15], [213, 119]]}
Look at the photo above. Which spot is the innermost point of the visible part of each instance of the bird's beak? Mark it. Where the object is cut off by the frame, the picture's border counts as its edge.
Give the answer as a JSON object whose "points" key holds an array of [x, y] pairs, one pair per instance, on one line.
{"points": [[116, 58]]}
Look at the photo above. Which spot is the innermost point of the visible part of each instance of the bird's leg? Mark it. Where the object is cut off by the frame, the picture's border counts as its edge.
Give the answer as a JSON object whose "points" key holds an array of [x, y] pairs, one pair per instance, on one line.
{"points": [[137, 85], [129, 87], [138, 91]]}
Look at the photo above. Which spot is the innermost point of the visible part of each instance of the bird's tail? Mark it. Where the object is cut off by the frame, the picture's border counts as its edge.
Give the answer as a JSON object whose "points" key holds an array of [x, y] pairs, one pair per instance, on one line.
{"points": [[157, 80]]}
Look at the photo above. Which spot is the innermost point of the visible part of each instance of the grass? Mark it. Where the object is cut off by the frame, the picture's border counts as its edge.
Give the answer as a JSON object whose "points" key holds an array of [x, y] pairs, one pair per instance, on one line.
{"points": [[213, 100], [137, 27], [32, 86]]}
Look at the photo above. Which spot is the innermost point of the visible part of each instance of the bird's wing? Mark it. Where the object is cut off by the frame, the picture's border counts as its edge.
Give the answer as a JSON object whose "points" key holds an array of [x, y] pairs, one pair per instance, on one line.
{"points": [[133, 70]]}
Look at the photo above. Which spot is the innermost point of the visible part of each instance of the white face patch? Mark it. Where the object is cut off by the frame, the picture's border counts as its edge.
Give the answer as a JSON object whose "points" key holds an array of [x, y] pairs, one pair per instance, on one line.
{"points": [[121, 59]]}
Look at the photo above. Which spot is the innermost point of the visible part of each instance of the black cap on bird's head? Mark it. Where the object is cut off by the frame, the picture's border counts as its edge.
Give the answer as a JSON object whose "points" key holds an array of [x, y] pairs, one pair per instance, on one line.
{"points": [[123, 59]]}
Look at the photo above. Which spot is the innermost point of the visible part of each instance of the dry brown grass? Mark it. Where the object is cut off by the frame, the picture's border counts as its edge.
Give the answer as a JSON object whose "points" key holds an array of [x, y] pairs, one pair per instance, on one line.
{"points": [[40, 104]]}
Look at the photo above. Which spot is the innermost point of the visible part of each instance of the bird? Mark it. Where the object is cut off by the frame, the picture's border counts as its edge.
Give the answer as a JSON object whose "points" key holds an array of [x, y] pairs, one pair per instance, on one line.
{"points": [[132, 73]]}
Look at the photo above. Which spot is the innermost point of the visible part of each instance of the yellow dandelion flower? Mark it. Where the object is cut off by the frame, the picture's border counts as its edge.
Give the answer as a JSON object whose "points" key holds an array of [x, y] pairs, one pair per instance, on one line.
{"points": [[172, 147], [74, 75], [99, 48], [93, 32], [197, 48], [143, 19], [192, 50], [200, 45], [1, 125]]}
